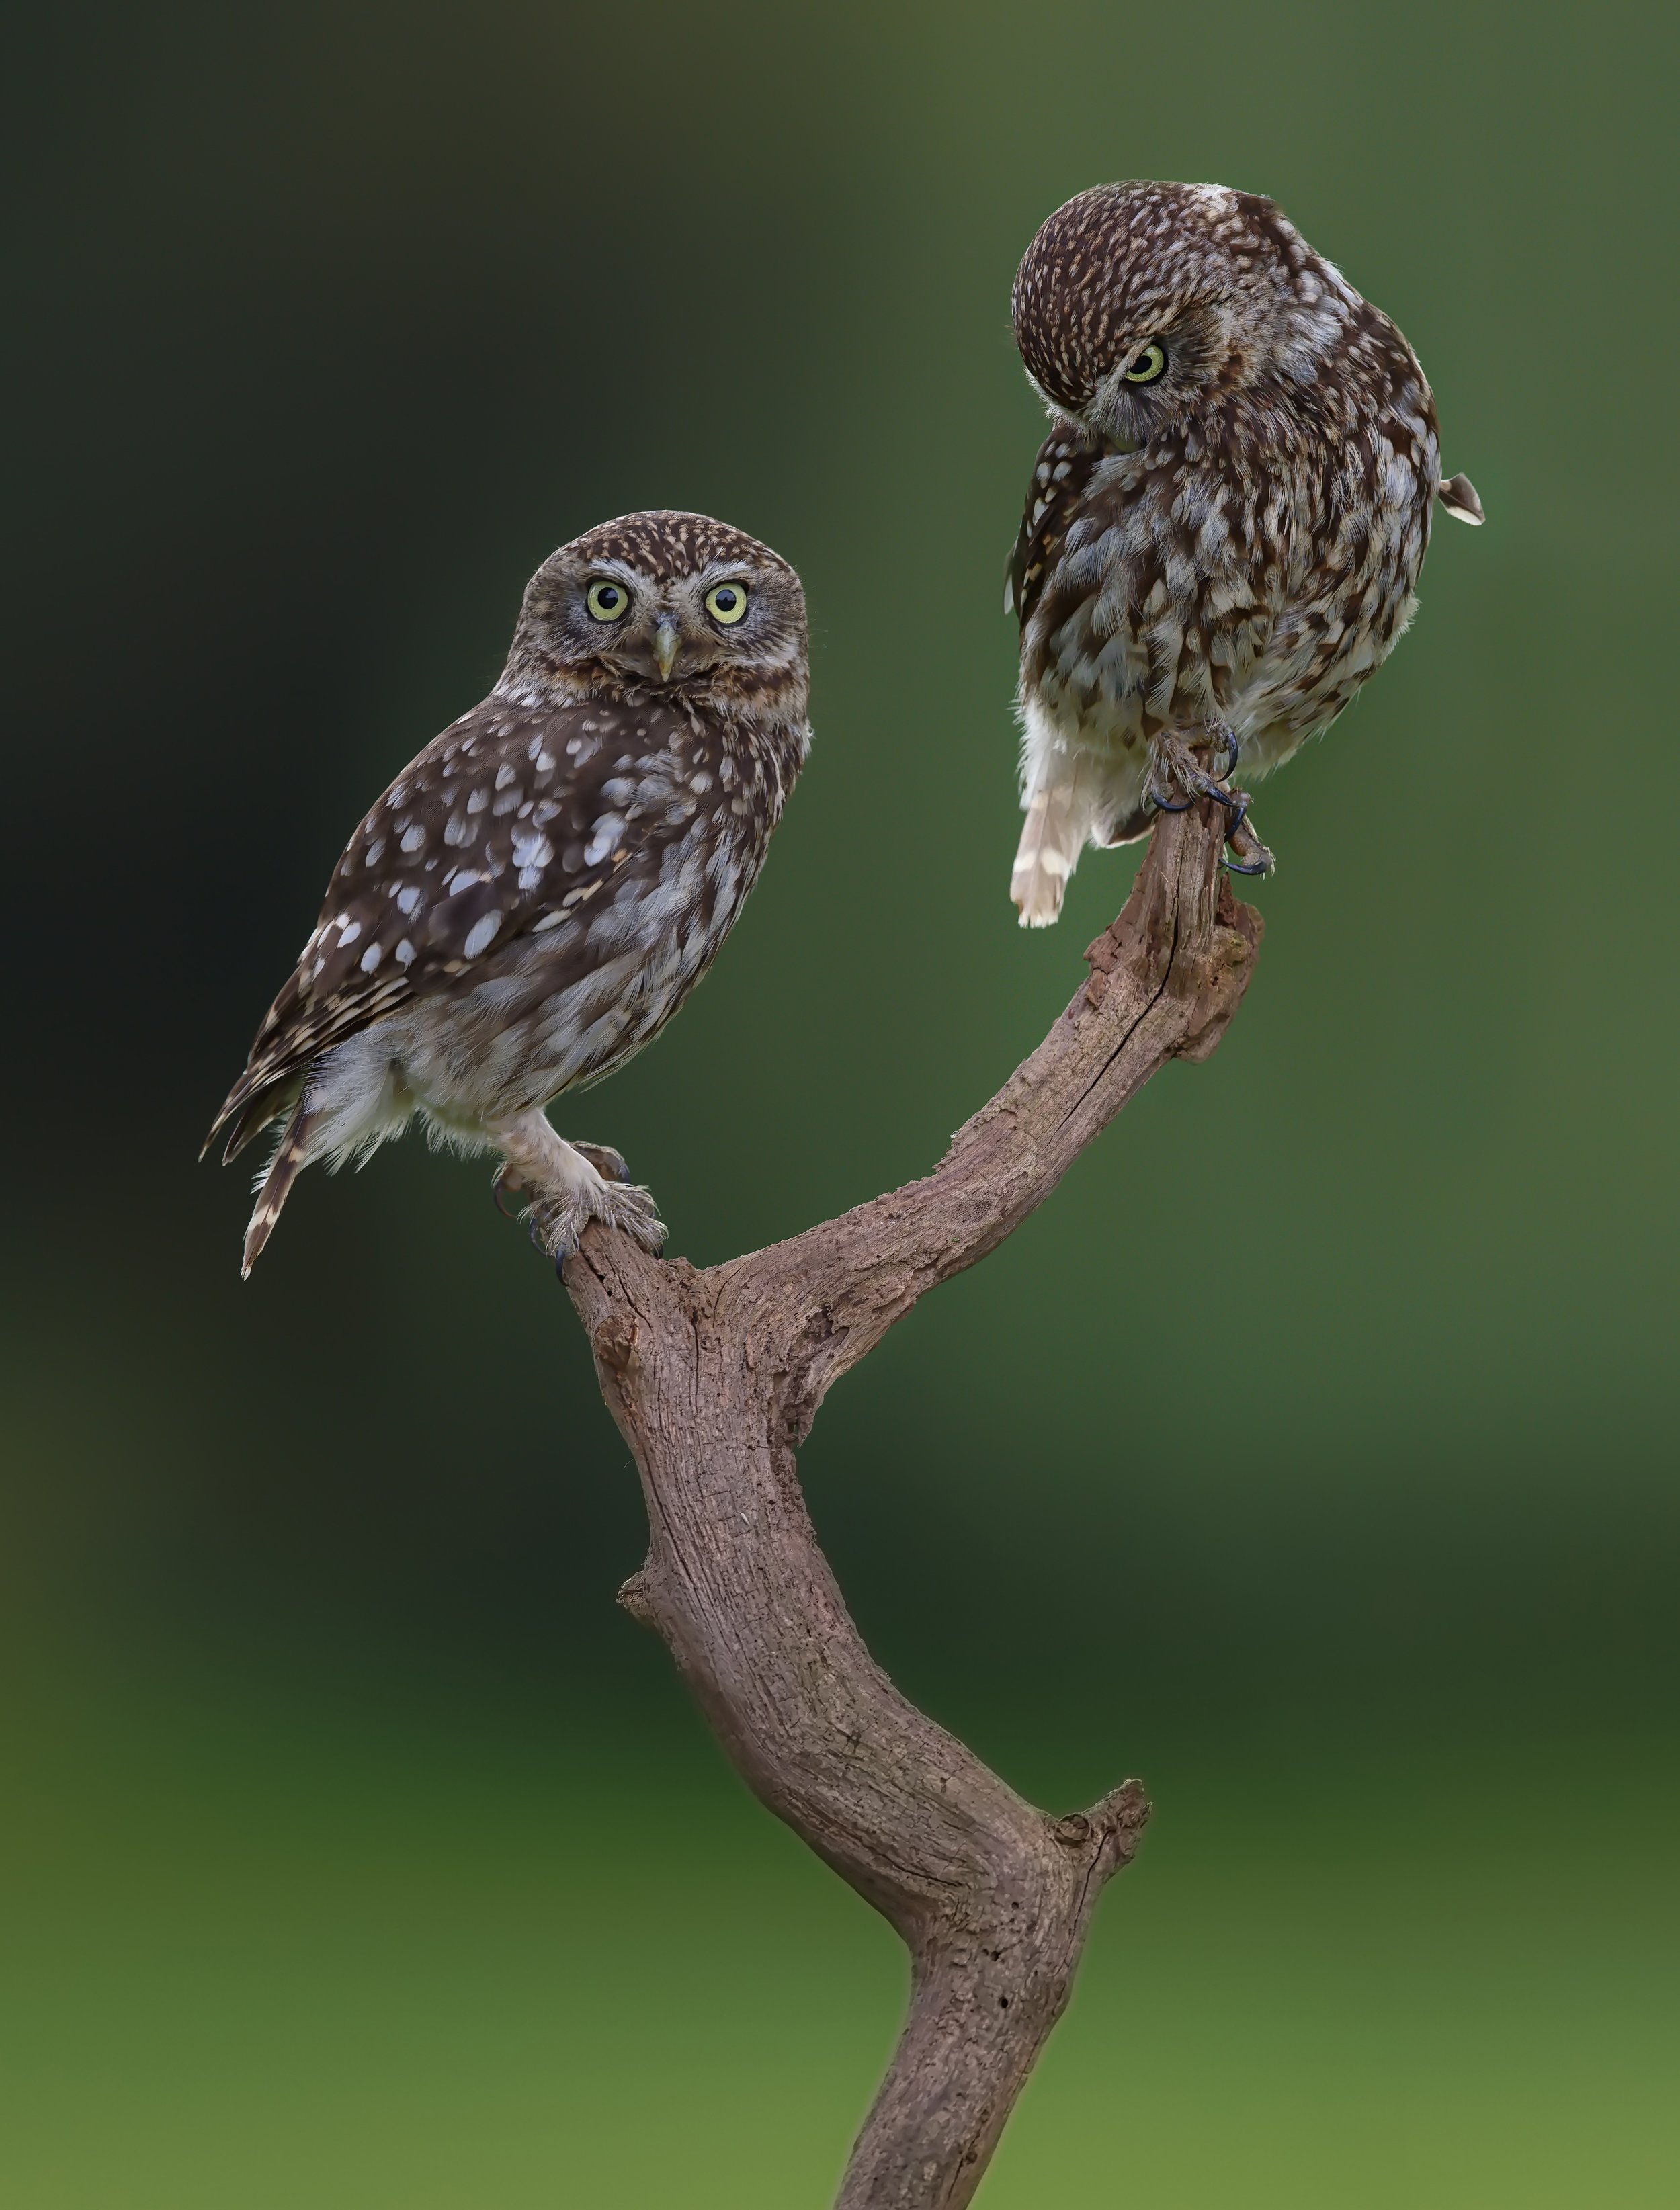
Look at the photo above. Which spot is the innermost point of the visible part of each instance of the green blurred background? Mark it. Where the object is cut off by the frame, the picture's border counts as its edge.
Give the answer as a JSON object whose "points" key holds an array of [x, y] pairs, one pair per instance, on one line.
{"points": [[1311, 1454]]}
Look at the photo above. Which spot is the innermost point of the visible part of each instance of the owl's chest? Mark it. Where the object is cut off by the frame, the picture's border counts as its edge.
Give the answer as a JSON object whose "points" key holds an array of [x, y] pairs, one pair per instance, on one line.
{"points": [[1183, 594], [591, 1003], [1154, 614]]}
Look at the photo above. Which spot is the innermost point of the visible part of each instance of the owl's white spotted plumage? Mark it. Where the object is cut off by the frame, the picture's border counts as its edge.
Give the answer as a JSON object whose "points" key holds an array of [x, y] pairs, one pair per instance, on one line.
{"points": [[1226, 524], [540, 888]]}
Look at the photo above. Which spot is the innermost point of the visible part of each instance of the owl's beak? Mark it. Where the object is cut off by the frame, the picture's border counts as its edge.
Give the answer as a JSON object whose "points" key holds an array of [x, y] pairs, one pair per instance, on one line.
{"points": [[667, 644]]}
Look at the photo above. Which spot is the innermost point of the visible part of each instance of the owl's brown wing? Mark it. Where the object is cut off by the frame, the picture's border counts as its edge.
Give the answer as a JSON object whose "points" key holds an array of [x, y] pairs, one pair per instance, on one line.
{"points": [[508, 822], [1059, 475]]}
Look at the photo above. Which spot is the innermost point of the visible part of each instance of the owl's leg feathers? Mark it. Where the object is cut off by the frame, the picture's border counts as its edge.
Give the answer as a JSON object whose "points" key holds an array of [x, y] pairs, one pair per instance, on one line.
{"points": [[566, 1185], [1175, 768]]}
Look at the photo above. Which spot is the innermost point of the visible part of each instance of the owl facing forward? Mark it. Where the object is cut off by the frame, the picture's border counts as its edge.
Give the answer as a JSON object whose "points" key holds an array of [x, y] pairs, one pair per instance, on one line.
{"points": [[1226, 524], [540, 888]]}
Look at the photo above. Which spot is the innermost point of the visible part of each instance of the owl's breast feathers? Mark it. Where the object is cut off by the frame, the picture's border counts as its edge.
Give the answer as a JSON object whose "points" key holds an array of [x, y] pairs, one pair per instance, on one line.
{"points": [[1148, 581], [523, 848]]}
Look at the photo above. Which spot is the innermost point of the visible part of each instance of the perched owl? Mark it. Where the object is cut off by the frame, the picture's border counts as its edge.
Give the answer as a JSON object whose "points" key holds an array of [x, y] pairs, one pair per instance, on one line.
{"points": [[539, 890], [1225, 524]]}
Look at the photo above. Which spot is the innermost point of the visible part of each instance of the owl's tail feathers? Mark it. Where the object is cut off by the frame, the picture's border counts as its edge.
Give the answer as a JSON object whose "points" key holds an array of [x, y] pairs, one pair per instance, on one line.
{"points": [[291, 1154], [1042, 869], [247, 1112]]}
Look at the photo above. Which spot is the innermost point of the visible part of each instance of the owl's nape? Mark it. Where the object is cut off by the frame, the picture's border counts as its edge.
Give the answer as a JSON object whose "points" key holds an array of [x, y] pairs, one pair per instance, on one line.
{"points": [[543, 886], [1225, 524]]}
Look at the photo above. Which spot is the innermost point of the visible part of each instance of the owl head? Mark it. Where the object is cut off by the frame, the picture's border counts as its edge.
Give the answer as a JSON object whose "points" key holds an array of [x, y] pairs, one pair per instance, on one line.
{"points": [[663, 602], [1136, 304]]}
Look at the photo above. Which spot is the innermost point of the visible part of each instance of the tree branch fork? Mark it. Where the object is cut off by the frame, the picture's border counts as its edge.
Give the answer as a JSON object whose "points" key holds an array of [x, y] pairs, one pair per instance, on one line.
{"points": [[714, 1378]]}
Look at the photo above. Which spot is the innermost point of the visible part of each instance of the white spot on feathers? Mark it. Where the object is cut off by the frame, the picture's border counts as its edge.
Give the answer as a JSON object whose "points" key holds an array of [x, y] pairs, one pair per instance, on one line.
{"points": [[371, 958], [603, 838], [480, 934]]}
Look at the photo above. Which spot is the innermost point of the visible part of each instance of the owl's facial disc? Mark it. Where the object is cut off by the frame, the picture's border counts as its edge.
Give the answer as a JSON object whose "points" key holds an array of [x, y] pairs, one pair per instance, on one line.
{"points": [[676, 629], [662, 599]]}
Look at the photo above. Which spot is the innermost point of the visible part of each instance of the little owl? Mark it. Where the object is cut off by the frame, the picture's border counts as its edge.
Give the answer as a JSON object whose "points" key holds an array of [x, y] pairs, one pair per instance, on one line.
{"points": [[1225, 524], [539, 890]]}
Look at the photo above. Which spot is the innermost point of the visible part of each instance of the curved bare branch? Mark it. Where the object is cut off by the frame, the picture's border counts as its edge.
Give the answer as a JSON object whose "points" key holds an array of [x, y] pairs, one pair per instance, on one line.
{"points": [[715, 1377]]}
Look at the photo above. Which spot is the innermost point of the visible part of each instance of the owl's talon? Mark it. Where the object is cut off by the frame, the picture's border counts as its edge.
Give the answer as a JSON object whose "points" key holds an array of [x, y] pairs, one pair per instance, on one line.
{"points": [[1176, 765], [1176, 768], [1246, 855], [505, 1183]]}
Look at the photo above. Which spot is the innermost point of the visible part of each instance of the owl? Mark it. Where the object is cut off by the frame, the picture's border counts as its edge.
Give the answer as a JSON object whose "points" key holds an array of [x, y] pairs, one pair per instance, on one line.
{"points": [[1225, 524], [540, 889]]}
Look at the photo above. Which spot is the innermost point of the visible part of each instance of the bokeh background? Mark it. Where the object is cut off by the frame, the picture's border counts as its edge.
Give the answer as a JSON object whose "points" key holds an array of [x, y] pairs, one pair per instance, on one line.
{"points": [[1312, 1454]]}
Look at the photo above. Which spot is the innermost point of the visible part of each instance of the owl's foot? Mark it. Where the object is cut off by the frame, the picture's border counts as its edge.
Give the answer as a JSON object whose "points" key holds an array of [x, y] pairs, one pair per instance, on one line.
{"points": [[557, 1216], [558, 1223], [1246, 855], [1177, 778], [621, 1203], [566, 1185], [1173, 767]]}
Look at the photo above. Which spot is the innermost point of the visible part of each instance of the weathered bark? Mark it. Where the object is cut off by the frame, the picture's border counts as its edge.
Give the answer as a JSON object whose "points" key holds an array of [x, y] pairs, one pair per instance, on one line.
{"points": [[715, 1378]]}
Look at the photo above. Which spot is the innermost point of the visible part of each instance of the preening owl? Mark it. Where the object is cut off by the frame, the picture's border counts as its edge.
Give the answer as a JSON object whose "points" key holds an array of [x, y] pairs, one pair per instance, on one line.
{"points": [[1226, 523], [540, 888]]}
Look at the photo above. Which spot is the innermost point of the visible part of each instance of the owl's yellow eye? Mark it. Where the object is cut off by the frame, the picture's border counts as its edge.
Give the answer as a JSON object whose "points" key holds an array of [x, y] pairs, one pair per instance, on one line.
{"points": [[727, 603], [1150, 363], [607, 601]]}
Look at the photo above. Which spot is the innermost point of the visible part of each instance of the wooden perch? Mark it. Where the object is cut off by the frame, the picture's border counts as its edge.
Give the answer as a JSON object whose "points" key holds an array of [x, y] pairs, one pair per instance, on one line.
{"points": [[715, 1378]]}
